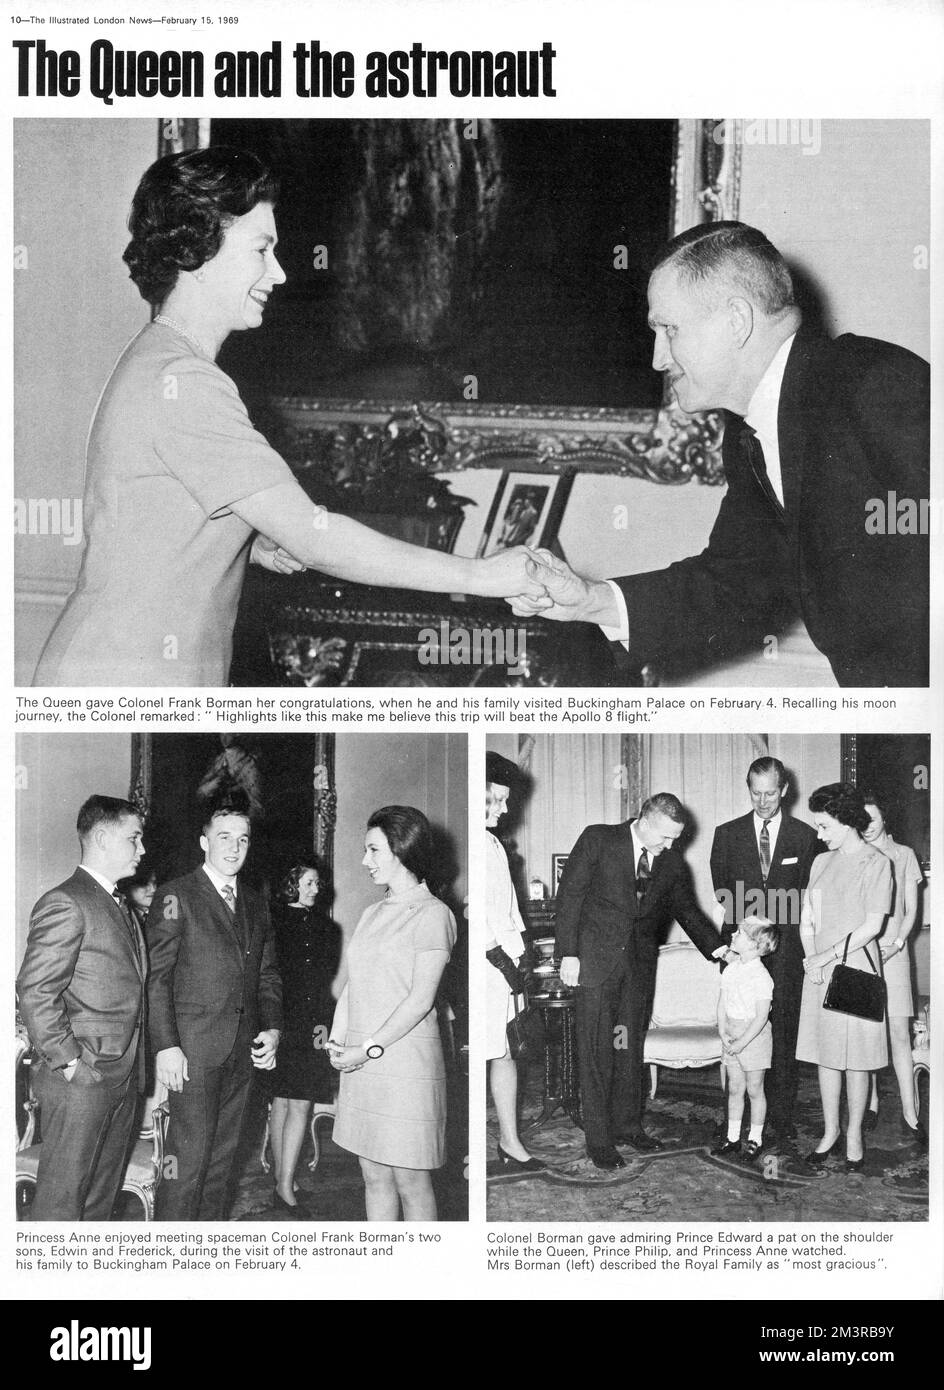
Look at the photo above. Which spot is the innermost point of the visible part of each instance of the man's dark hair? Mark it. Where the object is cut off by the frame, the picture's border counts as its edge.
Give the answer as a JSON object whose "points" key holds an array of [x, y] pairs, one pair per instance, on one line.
{"points": [[666, 804], [181, 209], [760, 767], [733, 252], [102, 810], [232, 803]]}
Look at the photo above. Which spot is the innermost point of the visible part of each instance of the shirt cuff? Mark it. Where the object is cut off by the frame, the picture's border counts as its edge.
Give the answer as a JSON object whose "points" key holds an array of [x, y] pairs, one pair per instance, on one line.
{"points": [[619, 632]]}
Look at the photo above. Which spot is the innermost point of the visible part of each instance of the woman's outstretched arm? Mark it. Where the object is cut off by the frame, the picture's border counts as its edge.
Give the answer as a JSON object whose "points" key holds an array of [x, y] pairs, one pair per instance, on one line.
{"points": [[338, 546]]}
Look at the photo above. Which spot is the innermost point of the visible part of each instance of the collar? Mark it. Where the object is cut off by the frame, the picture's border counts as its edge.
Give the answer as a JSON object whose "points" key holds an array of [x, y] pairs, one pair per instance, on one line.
{"points": [[772, 824], [761, 413], [218, 881], [638, 848], [108, 886]]}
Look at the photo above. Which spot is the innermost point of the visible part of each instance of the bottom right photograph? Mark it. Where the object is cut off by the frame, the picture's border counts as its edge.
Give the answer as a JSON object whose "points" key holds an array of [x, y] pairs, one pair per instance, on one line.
{"points": [[707, 966]]}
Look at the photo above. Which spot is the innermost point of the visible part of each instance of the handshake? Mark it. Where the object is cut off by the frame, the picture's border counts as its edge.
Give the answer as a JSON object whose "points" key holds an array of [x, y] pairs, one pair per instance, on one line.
{"points": [[536, 581]]}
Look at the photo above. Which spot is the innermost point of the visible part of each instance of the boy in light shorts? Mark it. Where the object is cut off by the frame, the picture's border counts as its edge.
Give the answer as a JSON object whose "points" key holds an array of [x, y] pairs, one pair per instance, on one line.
{"points": [[744, 1025]]}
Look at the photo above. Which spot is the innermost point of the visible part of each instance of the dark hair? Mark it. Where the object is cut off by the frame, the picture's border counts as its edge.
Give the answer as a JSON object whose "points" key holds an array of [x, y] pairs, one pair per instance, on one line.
{"points": [[501, 771], [234, 802], [880, 801], [735, 252], [102, 810], [761, 766], [145, 873], [666, 804], [288, 886], [182, 207], [843, 802], [409, 836]]}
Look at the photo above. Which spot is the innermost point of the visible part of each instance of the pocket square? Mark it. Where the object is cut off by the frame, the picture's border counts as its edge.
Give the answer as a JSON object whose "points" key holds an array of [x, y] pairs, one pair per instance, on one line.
{"points": [[794, 860]]}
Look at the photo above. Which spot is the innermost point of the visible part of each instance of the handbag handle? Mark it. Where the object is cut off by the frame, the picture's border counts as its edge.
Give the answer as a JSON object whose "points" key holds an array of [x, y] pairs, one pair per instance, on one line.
{"points": [[845, 952]]}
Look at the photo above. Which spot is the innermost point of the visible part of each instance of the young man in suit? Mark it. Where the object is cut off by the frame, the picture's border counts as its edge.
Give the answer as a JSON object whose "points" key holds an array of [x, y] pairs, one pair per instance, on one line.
{"points": [[621, 888], [760, 866], [215, 1013], [81, 995], [826, 457]]}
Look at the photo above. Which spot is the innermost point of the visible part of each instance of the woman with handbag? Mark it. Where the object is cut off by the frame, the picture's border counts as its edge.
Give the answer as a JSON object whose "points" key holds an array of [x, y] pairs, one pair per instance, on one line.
{"points": [[504, 948], [846, 903]]}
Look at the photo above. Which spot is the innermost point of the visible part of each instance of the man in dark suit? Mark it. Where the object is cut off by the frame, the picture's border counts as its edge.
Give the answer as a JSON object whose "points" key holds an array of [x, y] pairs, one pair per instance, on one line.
{"points": [[760, 865], [826, 457], [621, 888], [215, 1013], [81, 995]]}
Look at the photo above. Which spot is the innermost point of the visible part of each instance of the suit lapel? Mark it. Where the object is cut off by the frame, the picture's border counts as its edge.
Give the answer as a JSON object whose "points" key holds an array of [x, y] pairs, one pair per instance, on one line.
{"points": [[218, 911], [786, 845], [129, 932]]}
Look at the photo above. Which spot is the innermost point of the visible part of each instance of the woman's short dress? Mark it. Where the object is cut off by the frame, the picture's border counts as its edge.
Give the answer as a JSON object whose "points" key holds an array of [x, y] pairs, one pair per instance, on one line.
{"points": [[843, 890], [393, 1110]]}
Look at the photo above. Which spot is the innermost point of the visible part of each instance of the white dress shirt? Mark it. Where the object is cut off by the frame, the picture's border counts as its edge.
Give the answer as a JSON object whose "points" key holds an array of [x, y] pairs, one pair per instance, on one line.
{"points": [[219, 882], [773, 830]]}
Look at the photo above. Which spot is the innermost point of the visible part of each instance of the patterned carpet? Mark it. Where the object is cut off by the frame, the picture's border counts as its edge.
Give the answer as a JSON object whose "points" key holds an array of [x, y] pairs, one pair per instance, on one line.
{"points": [[683, 1182]]}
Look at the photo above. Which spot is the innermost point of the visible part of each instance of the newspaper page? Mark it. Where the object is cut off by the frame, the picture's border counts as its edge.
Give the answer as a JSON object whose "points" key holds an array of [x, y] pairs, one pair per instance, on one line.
{"points": [[405, 396]]}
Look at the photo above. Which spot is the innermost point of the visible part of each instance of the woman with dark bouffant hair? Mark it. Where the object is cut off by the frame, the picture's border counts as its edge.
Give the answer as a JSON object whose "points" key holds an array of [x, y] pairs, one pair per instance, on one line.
{"points": [[180, 488], [307, 949], [846, 903], [385, 1038]]}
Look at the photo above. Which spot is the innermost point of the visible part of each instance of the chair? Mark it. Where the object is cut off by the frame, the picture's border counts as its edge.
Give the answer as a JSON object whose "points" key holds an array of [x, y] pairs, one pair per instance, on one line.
{"points": [[145, 1166], [321, 1113], [683, 1031]]}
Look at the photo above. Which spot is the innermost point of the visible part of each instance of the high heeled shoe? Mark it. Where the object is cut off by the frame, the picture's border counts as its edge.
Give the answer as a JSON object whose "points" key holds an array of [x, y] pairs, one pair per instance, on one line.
{"points": [[520, 1165], [300, 1211], [818, 1159], [855, 1165]]}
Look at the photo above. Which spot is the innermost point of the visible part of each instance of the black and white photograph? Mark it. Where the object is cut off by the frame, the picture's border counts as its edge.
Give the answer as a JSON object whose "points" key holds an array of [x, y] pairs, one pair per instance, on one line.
{"points": [[241, 988], [721, 1012], [269, 375]]}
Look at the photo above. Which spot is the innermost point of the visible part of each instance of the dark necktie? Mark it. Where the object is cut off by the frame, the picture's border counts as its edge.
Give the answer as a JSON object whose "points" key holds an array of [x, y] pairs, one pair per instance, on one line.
{"points": [[753, 452], [643, 874], [764, 851]]}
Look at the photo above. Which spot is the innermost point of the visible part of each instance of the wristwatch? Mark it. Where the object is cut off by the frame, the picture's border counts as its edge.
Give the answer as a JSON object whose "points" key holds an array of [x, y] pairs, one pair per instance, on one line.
{"points": [[373, 1049]]}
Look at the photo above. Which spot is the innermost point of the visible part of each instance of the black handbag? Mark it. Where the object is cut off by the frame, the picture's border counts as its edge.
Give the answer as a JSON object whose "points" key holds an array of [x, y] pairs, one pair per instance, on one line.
{"points": [[517, 1041], [856, 992]]}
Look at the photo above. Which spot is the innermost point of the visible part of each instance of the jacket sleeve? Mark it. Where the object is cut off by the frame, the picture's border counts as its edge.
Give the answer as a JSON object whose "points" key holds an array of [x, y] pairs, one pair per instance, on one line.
{"points": [[165, 927], [575, 883], [720, 602], [56, 936], [270, 981], [696, 924]]}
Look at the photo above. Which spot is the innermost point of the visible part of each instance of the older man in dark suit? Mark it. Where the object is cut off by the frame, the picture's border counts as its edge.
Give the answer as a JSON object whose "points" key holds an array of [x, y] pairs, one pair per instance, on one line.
{"points": [[215, 1013], [621, 888], [760, 866], [826, 456], [81, 995]]}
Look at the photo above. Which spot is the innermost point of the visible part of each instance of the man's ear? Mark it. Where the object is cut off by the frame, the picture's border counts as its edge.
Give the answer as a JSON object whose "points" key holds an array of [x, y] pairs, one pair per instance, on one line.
{"points": [[203, 843], [740, 319]]}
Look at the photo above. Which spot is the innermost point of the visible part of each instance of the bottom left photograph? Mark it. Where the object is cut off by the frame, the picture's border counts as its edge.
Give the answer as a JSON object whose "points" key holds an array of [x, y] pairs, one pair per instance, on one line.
{"points": [[241, 977]]}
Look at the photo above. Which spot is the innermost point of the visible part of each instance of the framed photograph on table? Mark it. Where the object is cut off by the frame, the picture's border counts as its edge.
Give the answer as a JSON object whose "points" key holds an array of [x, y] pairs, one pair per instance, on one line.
{"points": [[557, 868], [527, 509]]}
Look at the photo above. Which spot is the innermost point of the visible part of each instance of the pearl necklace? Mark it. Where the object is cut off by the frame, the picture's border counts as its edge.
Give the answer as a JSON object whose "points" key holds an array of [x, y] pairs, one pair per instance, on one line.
{"points": [[192, 339]]}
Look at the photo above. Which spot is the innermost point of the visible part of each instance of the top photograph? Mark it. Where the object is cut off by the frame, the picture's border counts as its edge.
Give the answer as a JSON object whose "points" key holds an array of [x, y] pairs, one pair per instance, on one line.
{"points": [[459, 402]]}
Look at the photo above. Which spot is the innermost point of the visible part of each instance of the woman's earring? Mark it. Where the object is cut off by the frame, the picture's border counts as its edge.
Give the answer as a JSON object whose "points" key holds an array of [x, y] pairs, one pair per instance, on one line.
{"points": [[199, 275]]}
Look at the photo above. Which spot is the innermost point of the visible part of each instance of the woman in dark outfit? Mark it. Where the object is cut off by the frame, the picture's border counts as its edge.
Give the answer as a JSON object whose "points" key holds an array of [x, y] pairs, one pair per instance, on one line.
{"points": [[307, 948]]}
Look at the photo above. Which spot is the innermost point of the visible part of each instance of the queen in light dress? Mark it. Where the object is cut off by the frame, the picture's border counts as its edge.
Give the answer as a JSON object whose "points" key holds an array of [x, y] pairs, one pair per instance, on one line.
{"points": [[385, 1037], [846, 903]]}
